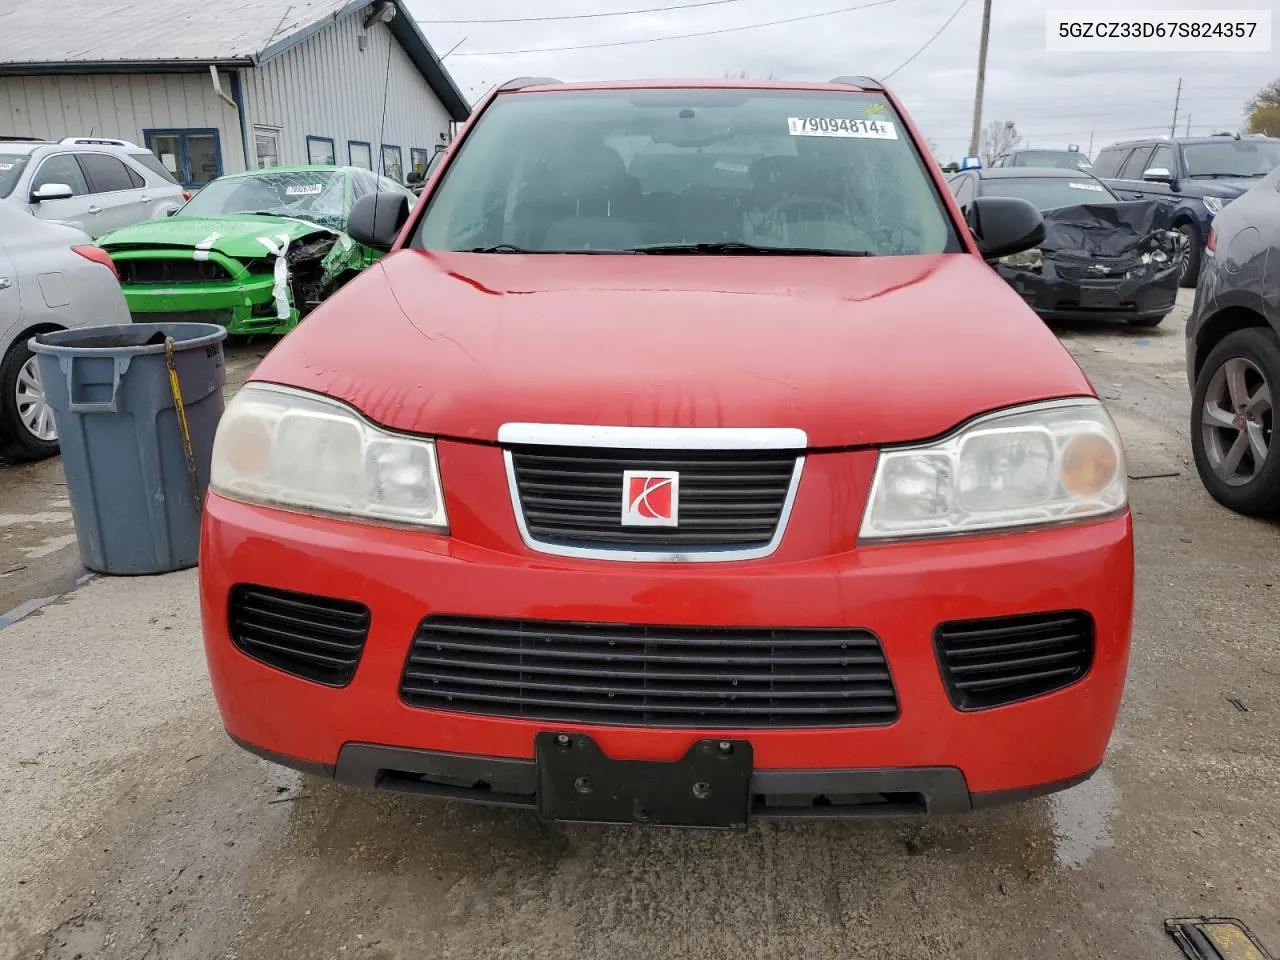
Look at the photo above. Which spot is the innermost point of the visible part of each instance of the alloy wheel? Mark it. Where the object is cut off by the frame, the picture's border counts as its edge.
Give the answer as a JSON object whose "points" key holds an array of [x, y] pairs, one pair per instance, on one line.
{"points": [[1238, 421], [34, 412]]}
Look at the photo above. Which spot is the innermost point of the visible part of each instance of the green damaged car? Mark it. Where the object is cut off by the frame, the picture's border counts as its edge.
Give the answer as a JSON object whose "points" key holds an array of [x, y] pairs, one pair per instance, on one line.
{"points": [[255, 252]]}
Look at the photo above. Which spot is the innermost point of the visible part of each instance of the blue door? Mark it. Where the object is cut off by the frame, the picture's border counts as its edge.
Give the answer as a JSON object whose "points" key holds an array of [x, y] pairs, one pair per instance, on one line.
{"points": [[193, 155]]}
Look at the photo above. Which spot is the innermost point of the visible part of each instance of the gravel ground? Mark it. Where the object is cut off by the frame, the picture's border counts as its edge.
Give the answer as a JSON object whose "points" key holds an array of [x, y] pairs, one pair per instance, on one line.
{"points": [[133, 828]]}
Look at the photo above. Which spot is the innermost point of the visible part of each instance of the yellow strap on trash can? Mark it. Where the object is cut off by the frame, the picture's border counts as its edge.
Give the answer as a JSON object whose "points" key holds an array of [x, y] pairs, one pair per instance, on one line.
{"points": [[176, 389]]}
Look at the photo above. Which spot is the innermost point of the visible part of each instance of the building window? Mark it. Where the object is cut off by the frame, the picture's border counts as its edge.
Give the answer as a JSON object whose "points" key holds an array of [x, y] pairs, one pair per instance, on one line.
{"points": [[418, 159], [392, 163], [267, 146], [193, 156], [320, 151], [360, 154]]}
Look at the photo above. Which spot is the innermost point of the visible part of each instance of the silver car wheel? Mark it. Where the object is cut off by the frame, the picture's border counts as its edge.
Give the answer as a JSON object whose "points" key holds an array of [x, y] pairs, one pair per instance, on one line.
{"points": [[34, 412], [1238, 423]]}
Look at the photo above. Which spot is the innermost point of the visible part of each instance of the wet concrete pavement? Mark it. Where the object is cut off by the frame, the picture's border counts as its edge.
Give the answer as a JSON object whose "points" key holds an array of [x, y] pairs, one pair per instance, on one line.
{"points": [[133, 828]]}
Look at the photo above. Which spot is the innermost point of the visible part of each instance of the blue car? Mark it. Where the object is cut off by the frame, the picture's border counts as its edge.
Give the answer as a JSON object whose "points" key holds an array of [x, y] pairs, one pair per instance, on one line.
{"points": [[1197, 175]]}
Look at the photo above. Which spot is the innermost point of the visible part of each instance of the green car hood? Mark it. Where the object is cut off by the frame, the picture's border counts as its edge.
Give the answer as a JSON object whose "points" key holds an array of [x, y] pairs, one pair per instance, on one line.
{"points": [[235, 236]]}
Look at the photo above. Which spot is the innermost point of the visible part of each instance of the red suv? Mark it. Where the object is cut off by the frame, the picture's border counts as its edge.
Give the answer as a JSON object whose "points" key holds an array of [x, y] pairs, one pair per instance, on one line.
{"points": [[683, 462]]}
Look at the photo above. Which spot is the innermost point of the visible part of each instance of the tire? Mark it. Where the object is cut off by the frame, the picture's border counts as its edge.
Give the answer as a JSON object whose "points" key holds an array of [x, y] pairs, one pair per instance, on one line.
{"points": [[17, 439], [1147, 322], [1252, 487], [1191, 264]]}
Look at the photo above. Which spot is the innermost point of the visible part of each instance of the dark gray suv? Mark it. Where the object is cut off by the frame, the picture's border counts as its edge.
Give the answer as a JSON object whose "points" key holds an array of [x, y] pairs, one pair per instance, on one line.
{"points": [[1233, 354]]}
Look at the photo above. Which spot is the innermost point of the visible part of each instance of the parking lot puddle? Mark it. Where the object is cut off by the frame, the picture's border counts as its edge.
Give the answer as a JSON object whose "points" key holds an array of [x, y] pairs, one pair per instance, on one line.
{"points": [[1081, 820]]}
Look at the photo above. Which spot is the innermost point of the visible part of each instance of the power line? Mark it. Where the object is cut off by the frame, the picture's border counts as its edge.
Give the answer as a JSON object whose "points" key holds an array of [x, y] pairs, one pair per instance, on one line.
{"points": [[592, 16], [681, 36], [947, 23]]}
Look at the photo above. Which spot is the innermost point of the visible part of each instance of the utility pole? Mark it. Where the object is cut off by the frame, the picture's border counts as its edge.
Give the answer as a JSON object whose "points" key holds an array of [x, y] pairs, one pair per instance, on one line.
{"points": [[1188, 124], [1173, 127], [1090, 153], [982, 79]]}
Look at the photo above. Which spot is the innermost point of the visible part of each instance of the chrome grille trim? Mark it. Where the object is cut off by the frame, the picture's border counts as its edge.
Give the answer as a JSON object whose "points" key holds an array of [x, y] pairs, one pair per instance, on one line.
{"points": [[734, 439]]}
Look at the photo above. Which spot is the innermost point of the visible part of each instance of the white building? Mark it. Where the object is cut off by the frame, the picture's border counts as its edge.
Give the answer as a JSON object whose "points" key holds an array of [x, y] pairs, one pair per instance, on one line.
{"points": [[219, 86]]}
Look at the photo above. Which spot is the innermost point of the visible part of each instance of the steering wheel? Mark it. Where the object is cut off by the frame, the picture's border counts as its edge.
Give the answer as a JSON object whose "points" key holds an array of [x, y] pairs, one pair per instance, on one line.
{"points": [[827, 206]]}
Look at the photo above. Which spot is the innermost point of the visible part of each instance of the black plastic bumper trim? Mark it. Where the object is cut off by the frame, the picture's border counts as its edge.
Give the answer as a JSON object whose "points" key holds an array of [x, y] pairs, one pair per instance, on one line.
{"points": [[306, 766], [777, 794], [795, 794], [996, 798]]}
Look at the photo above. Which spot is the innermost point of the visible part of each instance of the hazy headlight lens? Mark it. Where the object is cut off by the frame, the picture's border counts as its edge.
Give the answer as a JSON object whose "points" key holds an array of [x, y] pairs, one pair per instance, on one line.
{"points": [[1031, 259], [1030, 465], [1213, 205], [307, 452]]}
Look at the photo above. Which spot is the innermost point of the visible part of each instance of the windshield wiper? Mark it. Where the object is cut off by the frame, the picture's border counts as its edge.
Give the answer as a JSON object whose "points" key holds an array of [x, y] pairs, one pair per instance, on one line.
{"points": [[512, 248], [736, 247]]}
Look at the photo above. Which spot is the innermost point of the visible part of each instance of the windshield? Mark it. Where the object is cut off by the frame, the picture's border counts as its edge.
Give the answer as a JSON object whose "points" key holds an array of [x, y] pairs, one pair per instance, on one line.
{"points": [[613, 170], [1049, 193], [1231, 158], [1052, 158], [11, 165], [313, 195]]}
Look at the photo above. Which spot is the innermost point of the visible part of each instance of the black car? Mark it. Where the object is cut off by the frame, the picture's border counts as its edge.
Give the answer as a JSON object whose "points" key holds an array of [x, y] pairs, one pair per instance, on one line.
{"points": [[1197, 176], [1101, 257], [1063, 159], [1233, 354]]}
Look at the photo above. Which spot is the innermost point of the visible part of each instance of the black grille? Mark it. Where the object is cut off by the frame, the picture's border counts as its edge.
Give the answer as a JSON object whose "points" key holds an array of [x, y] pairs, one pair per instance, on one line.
{"points": [[728, 499], [640, 675], [170, 271], [316, 638], [988, 663]]}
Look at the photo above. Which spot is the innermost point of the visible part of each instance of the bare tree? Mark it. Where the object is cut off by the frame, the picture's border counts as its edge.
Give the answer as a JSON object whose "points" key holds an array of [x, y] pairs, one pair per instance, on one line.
{"points": [[999, 137]]}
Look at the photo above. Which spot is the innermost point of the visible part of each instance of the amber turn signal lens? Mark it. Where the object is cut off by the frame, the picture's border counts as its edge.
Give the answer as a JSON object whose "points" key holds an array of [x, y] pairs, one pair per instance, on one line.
{"points": [[1088, 465]]}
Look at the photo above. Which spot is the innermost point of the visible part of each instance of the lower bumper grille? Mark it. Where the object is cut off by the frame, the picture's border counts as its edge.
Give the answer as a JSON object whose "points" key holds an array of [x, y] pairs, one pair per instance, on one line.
{"points": [[316, 638], [170, 271], [989, 663], [641, 675]]}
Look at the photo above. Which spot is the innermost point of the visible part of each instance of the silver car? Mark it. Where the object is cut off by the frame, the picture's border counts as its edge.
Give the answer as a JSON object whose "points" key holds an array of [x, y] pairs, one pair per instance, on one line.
{"points": [[95, 185], [51, 278]]}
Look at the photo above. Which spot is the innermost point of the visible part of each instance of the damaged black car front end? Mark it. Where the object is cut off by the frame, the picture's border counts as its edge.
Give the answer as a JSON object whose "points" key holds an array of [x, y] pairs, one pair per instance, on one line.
{"points": [[1113, 260]]}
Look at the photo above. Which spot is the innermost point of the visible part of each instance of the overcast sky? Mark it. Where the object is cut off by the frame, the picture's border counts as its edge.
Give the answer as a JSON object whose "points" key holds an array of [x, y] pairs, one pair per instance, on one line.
{"points": [[1055, 98]]}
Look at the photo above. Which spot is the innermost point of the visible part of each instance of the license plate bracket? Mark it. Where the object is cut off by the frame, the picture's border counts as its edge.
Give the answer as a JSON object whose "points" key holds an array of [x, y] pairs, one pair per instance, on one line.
{"points": [[710, 786], [1098, 297]]}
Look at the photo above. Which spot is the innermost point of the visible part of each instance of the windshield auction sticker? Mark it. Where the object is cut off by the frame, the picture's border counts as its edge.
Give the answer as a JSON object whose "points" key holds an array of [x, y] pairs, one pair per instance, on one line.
{"points": [[306, 190], [841, 127]]}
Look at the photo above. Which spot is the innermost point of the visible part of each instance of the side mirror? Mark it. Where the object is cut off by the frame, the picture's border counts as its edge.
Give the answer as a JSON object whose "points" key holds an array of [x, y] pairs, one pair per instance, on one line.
{"points": [[1158, 174], [376, 219], [172, 212], [413, 177], [52, 191], [1005, 225]]}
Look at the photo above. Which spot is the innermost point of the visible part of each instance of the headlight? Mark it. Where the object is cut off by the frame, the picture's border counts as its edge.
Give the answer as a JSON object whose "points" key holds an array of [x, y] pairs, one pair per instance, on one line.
{"points": [[1037, 464], [1025, 260], [306, 452], [1214, 205]]}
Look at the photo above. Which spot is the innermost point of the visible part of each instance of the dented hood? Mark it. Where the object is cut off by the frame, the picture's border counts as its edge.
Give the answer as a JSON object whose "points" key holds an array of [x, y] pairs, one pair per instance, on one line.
{"points": [[1118, 229], [851, 350], [231, 236]]}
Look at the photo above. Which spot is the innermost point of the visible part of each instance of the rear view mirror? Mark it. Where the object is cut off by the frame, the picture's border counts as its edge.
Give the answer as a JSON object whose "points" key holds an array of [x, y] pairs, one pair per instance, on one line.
{"points": [[376, 219], [52, 191], [170, 213], [1005, 225], [1158, 174]]}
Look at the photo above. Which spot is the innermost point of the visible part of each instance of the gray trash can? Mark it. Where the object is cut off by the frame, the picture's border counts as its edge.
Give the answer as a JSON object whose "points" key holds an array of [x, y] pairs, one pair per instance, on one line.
{"points": [[135, 506]]}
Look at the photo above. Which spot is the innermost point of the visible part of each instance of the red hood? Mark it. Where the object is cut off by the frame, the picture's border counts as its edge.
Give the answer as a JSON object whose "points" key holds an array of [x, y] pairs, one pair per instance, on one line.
{"points": [[853, 351]]}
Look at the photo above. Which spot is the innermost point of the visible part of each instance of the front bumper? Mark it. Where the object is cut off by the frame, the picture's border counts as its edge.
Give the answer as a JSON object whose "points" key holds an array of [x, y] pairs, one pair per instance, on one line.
{"points": [[242, 307], [900, 592], [1055, 298]]}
